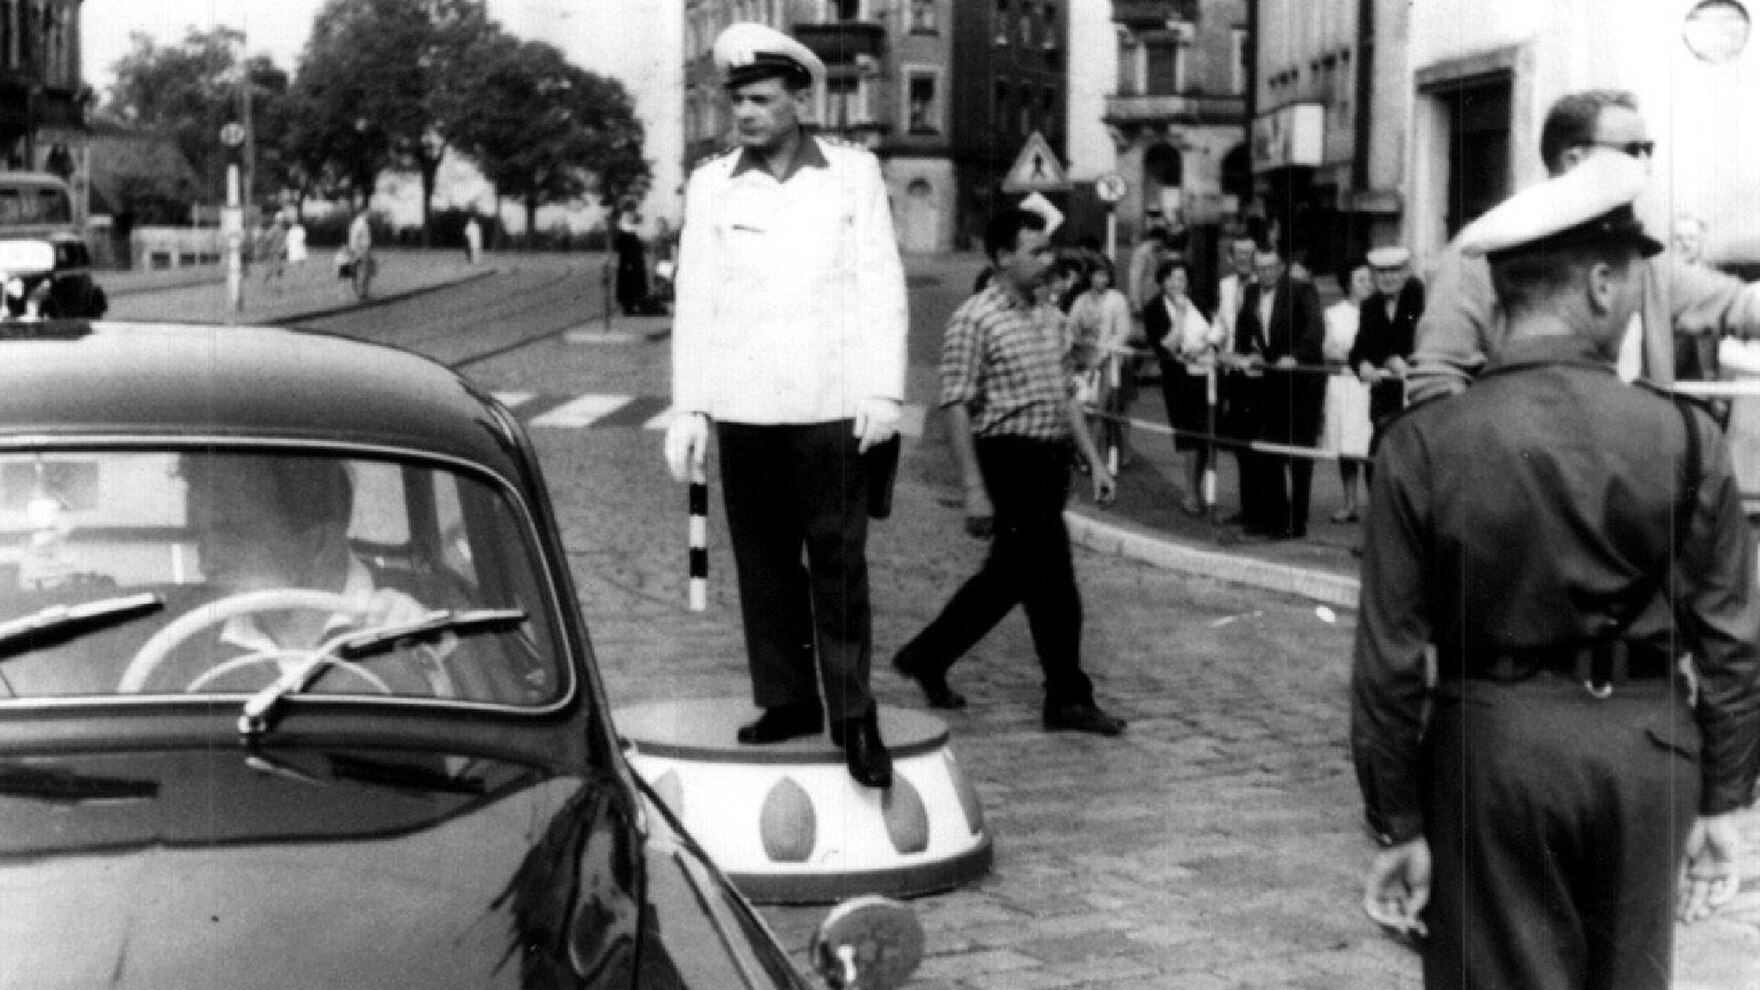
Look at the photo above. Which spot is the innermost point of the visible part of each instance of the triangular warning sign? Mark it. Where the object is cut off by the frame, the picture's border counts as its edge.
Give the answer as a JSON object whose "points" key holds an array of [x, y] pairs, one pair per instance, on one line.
{"points": [[1036, 169]]}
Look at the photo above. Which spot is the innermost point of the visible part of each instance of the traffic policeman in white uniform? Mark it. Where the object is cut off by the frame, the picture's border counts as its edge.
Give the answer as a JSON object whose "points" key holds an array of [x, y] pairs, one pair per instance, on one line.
{"points": [[790, 339]]}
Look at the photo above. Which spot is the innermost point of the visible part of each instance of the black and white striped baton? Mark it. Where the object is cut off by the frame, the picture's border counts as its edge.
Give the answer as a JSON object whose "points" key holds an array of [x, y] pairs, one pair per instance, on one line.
{"points": [[699, 506]]}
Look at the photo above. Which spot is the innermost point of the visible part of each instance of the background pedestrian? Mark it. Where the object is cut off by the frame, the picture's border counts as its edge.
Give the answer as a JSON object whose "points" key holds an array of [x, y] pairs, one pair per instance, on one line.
{"points": [[1185, 345], [1346, 432], [1005, 383], [1280, 328], [1382, 352]]}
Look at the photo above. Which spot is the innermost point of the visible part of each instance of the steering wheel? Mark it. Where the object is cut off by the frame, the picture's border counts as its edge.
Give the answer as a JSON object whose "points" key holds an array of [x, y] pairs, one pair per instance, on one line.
{"points": [[213, 674], [156, 649]]}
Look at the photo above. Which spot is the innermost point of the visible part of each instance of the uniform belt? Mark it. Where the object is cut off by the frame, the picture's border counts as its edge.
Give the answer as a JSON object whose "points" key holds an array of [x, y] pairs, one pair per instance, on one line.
{"points": [[1605, 664]]}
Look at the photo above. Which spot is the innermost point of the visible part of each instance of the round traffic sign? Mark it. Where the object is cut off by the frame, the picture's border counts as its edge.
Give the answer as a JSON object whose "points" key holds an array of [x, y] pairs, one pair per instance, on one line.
{"points": [[232, 135], [1110, 187]]}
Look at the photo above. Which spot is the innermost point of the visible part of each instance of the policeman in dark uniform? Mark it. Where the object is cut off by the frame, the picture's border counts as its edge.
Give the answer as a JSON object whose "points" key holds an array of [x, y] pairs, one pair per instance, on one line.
{"points": [[1562, 540]]}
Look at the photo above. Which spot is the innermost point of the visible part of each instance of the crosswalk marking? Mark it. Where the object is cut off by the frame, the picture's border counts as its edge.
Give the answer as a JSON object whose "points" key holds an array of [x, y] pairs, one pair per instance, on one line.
{"points": [[582, 411], [643, 412]]}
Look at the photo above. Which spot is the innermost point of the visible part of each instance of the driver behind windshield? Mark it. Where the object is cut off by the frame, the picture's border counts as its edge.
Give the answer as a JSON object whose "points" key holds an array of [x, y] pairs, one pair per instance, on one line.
{"points": [[266, 522]]}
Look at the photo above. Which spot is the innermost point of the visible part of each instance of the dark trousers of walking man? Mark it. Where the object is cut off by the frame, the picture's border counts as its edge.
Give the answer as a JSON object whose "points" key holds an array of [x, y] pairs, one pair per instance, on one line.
{"points": [[1029, 564]]}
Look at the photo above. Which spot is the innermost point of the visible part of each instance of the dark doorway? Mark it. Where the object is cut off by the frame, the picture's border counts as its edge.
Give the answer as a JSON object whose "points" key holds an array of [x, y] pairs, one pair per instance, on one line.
{"points": [[1478, 148]]}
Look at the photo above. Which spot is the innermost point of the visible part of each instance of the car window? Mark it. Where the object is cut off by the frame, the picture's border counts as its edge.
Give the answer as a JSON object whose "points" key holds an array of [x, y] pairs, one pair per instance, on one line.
{"points": [[255, 562]]}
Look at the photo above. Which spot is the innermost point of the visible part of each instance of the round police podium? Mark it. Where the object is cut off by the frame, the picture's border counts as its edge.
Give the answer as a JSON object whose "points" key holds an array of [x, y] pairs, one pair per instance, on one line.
{"points": [[787, 824]]}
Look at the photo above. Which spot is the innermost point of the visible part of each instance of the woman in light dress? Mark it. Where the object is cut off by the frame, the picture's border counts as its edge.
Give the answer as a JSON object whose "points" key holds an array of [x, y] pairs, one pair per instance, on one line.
{"points": [[1347, 399], [1185, 344], [1100, 325]]}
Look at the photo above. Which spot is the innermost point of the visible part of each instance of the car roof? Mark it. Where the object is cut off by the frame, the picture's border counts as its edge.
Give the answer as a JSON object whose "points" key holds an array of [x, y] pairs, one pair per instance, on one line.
{"points": [[104, 379]]}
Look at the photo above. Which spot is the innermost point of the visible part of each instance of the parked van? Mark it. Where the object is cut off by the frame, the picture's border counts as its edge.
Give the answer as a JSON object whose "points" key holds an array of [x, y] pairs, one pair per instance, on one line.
{"points": [[37, 206]]}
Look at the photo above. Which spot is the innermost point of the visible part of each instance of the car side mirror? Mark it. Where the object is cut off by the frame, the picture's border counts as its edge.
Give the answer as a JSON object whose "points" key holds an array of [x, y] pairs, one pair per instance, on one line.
{"points": [[868, 943]]}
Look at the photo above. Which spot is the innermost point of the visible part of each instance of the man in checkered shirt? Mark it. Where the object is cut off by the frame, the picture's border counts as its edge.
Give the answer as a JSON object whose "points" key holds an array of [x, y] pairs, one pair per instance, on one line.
{"points": [[1007, 386]]}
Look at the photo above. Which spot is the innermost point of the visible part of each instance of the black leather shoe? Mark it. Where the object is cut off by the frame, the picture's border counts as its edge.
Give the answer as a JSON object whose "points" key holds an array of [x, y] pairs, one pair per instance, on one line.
{"points": [[782, 723], [1082, 718], [863, 751], [934, 686]]}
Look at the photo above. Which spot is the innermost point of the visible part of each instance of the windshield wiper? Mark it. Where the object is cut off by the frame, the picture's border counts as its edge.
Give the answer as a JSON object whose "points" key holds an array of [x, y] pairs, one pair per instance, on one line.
{"points": [[255, 719], [59, 623], [428, 628]]}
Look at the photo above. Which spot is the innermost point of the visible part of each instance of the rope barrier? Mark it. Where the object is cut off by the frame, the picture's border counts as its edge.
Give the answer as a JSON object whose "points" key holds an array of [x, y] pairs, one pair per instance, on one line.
{"points": [[1106, 412]]}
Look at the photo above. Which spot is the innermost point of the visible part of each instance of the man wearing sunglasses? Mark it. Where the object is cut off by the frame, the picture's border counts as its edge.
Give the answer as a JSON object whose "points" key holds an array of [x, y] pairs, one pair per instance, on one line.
{"points": [[1463, 325]]}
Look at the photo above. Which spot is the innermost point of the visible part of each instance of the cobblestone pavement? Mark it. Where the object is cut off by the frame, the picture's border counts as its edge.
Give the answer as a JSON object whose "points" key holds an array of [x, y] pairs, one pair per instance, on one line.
{"points": [[1216, 845]]}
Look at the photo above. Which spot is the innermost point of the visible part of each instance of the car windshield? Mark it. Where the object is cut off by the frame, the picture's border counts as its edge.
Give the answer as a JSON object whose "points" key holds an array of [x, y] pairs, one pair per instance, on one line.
{"points": [[210, 571]]}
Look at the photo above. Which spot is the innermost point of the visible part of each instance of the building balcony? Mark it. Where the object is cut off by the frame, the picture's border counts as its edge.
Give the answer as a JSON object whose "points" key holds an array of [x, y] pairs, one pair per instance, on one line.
{"points": [[841, 42], [1189, 109], [1151, 14]]}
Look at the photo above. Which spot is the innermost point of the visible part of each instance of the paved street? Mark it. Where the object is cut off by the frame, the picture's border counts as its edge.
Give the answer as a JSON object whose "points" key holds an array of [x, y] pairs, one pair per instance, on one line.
{"points": [[1217, 844]]}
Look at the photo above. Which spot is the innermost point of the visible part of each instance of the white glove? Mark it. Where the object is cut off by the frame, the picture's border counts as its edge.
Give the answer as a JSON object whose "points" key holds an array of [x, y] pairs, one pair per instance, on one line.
{"points": [[687, 441], [876, 422]]}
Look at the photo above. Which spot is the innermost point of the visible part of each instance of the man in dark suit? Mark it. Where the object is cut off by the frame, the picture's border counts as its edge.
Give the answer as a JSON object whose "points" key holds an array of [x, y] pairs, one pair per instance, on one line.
{"points": [[1385, 336], [1280, 326]]}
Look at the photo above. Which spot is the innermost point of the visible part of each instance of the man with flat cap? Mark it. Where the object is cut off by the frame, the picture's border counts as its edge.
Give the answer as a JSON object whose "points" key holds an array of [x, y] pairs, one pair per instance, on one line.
{"points": [[1561, 539], [790, 337]]}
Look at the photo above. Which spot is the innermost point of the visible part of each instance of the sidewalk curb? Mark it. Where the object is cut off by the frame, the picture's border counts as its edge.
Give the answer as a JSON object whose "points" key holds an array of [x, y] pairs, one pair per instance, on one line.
{"points": [[114, 291], [1331, 589]]}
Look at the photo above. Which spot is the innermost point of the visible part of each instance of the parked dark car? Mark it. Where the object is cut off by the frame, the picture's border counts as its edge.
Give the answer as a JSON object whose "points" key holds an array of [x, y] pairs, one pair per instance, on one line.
{"points": [[294, 690], [49, 278]]}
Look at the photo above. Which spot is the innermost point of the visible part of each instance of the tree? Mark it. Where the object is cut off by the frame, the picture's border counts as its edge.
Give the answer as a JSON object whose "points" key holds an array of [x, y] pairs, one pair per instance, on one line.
{"points": [[374, 81], [546, 131], [189, 91]]}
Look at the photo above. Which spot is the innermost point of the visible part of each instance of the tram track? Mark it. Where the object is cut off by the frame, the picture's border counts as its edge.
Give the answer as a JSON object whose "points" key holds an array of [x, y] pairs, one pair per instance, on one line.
{"points": [[522, 311]]}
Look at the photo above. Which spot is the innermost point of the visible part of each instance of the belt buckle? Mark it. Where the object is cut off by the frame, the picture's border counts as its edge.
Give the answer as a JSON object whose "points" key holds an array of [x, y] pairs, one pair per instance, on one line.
{"points": [[1600, 666]]}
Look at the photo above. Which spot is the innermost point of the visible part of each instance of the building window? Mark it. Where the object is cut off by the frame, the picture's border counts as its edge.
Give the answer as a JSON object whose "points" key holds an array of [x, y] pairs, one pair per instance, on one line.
{"points": [[1237, 82], [923, 19], [1026, 26], [923, 107], [1000, 32], [1164, 72], [1002, 108], [844, 10], [1130, 63], [843, 103]]}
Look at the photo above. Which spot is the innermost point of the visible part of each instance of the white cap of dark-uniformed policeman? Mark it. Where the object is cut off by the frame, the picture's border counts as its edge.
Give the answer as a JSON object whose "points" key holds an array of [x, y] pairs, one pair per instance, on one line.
{"points": [[1591, 203], [747, 52]]}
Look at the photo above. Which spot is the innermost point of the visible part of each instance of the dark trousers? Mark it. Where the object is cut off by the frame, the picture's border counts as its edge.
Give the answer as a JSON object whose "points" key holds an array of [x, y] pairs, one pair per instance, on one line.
{"points": [[1029, 564], [790, 489], [1286, 485], [1557, 824]]}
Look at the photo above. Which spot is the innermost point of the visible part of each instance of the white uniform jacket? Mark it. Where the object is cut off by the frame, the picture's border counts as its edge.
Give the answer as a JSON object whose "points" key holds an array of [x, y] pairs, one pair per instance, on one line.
{"points": [[790, 295]]}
